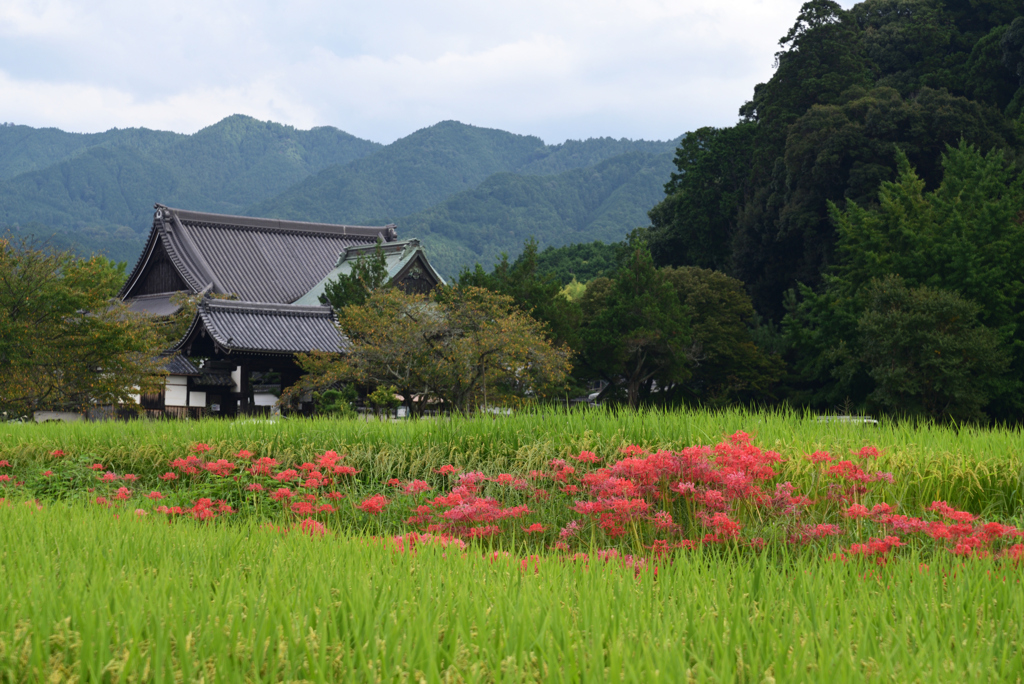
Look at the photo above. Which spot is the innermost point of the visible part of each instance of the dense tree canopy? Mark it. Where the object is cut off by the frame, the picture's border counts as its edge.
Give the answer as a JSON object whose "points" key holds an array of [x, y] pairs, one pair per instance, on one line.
{"points": [[65, 343], [851, 88]]}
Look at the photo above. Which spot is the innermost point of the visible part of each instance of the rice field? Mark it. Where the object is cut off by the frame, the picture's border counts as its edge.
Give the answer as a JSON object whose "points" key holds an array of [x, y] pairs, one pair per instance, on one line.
{"points": [[99, 598], [546, 546]]}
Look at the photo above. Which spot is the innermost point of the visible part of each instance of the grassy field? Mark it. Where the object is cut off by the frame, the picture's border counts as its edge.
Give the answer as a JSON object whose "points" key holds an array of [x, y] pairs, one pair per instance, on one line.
{"points": [[974, 469], [99, 598]]}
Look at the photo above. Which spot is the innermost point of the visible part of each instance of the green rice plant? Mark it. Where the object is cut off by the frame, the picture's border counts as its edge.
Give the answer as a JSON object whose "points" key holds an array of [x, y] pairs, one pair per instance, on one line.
{"points": [[973, 468], [105, 599]]}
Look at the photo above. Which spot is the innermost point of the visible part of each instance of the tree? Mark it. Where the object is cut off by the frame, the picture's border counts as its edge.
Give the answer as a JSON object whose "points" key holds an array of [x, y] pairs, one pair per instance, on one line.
{"points": [[368, 274], [635, 331], [725, 364], [966, 237], [535, 293], [461, 346], [927, 353], [65, 343]]}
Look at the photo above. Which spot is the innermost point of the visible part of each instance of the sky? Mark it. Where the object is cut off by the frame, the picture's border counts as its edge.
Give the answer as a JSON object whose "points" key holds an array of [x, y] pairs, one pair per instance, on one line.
{"points": [[558, 69]]}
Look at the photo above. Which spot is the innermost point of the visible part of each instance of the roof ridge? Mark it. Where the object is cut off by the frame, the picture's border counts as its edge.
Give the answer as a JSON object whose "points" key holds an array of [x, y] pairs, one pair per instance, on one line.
{"points": [[389, 232]]}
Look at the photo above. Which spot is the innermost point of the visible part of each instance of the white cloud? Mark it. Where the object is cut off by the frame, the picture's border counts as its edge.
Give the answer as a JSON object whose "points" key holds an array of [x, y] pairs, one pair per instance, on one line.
{"points": [[555, 68]]}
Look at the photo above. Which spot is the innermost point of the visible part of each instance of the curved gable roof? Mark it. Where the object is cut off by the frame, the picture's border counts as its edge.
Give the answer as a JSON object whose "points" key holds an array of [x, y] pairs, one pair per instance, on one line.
{"points": [[264, 260]]}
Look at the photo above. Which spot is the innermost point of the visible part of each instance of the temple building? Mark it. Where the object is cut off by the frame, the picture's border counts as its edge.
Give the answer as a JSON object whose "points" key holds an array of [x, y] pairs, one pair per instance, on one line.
{"points": [[259, 282]]}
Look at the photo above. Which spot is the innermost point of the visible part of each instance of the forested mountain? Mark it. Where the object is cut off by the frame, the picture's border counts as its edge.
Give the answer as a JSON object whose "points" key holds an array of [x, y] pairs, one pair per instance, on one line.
{"points": [[600, 202], [99, 195], [470, 192], [851, 88]]}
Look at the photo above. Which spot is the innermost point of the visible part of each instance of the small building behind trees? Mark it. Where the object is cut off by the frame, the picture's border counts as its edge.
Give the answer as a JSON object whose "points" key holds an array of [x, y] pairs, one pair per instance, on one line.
{"points": [[257, 284]]}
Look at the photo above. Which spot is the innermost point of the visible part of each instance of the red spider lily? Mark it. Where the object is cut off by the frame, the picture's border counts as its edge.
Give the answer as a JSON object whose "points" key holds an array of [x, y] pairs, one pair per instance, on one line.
{"points": [[102, 501], [47, 473], [374, 505], [857, 511], [169, 476], [881, 509], [570, 489], [587, 457], [58, 453], [7, 464], [334, 495], [263, 466], [326, 508], [96, 466], [173, 510], [286, 475], [416, 487], [663, 521], [255, 487], [394, 482], [244, 454], [190, 465], [633, 450], [535, 528], [141, 512], [302, 508], [108, 477], [123, 494], [155, 496], [505, 479], [820, 457], [447, 470], [867, 452], [312, 528], [328, 459], [345, 470], [129, 477], [947, 511], [201, 448], [281, 493], [221, 467], [480, 532], [308, 467]]}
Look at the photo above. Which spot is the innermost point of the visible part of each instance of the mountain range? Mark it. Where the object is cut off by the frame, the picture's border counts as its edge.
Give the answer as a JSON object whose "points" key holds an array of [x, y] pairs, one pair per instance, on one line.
{"points": [[468, 193]]}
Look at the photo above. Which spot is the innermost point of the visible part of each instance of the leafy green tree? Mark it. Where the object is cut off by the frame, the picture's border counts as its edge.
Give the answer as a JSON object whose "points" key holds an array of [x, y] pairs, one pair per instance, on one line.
{"points": [[965, 237], [725, 364], [694, 224], [368, 274], [536, 293], [461, 346], [65, 343], [635, 330], [927, 353]]}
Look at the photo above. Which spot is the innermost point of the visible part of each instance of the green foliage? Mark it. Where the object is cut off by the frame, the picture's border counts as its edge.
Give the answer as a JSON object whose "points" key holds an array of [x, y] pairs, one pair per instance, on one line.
{"points": [[383, 399], [965, 239], [64, 344], [635, 330], [725, 364], [851, 87], [926, 352], [336, 402], [536, 293], [458, 348], [368, 274], [581, 262]]}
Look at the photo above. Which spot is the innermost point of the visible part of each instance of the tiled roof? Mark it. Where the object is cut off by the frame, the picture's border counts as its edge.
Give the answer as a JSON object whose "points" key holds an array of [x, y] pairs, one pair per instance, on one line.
{"points": [[179, 365], [397, 256], [264, 260], [154, 305], [263, 328]]}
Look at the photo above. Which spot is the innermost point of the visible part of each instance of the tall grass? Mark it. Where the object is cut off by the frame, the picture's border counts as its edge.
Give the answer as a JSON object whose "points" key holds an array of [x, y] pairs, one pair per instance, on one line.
{"points": [[973, 468], [104, 599]]}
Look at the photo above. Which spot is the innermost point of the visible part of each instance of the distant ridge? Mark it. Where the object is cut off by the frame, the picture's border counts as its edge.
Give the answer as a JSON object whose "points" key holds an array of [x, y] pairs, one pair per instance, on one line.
{"points": [[469, 192]]}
